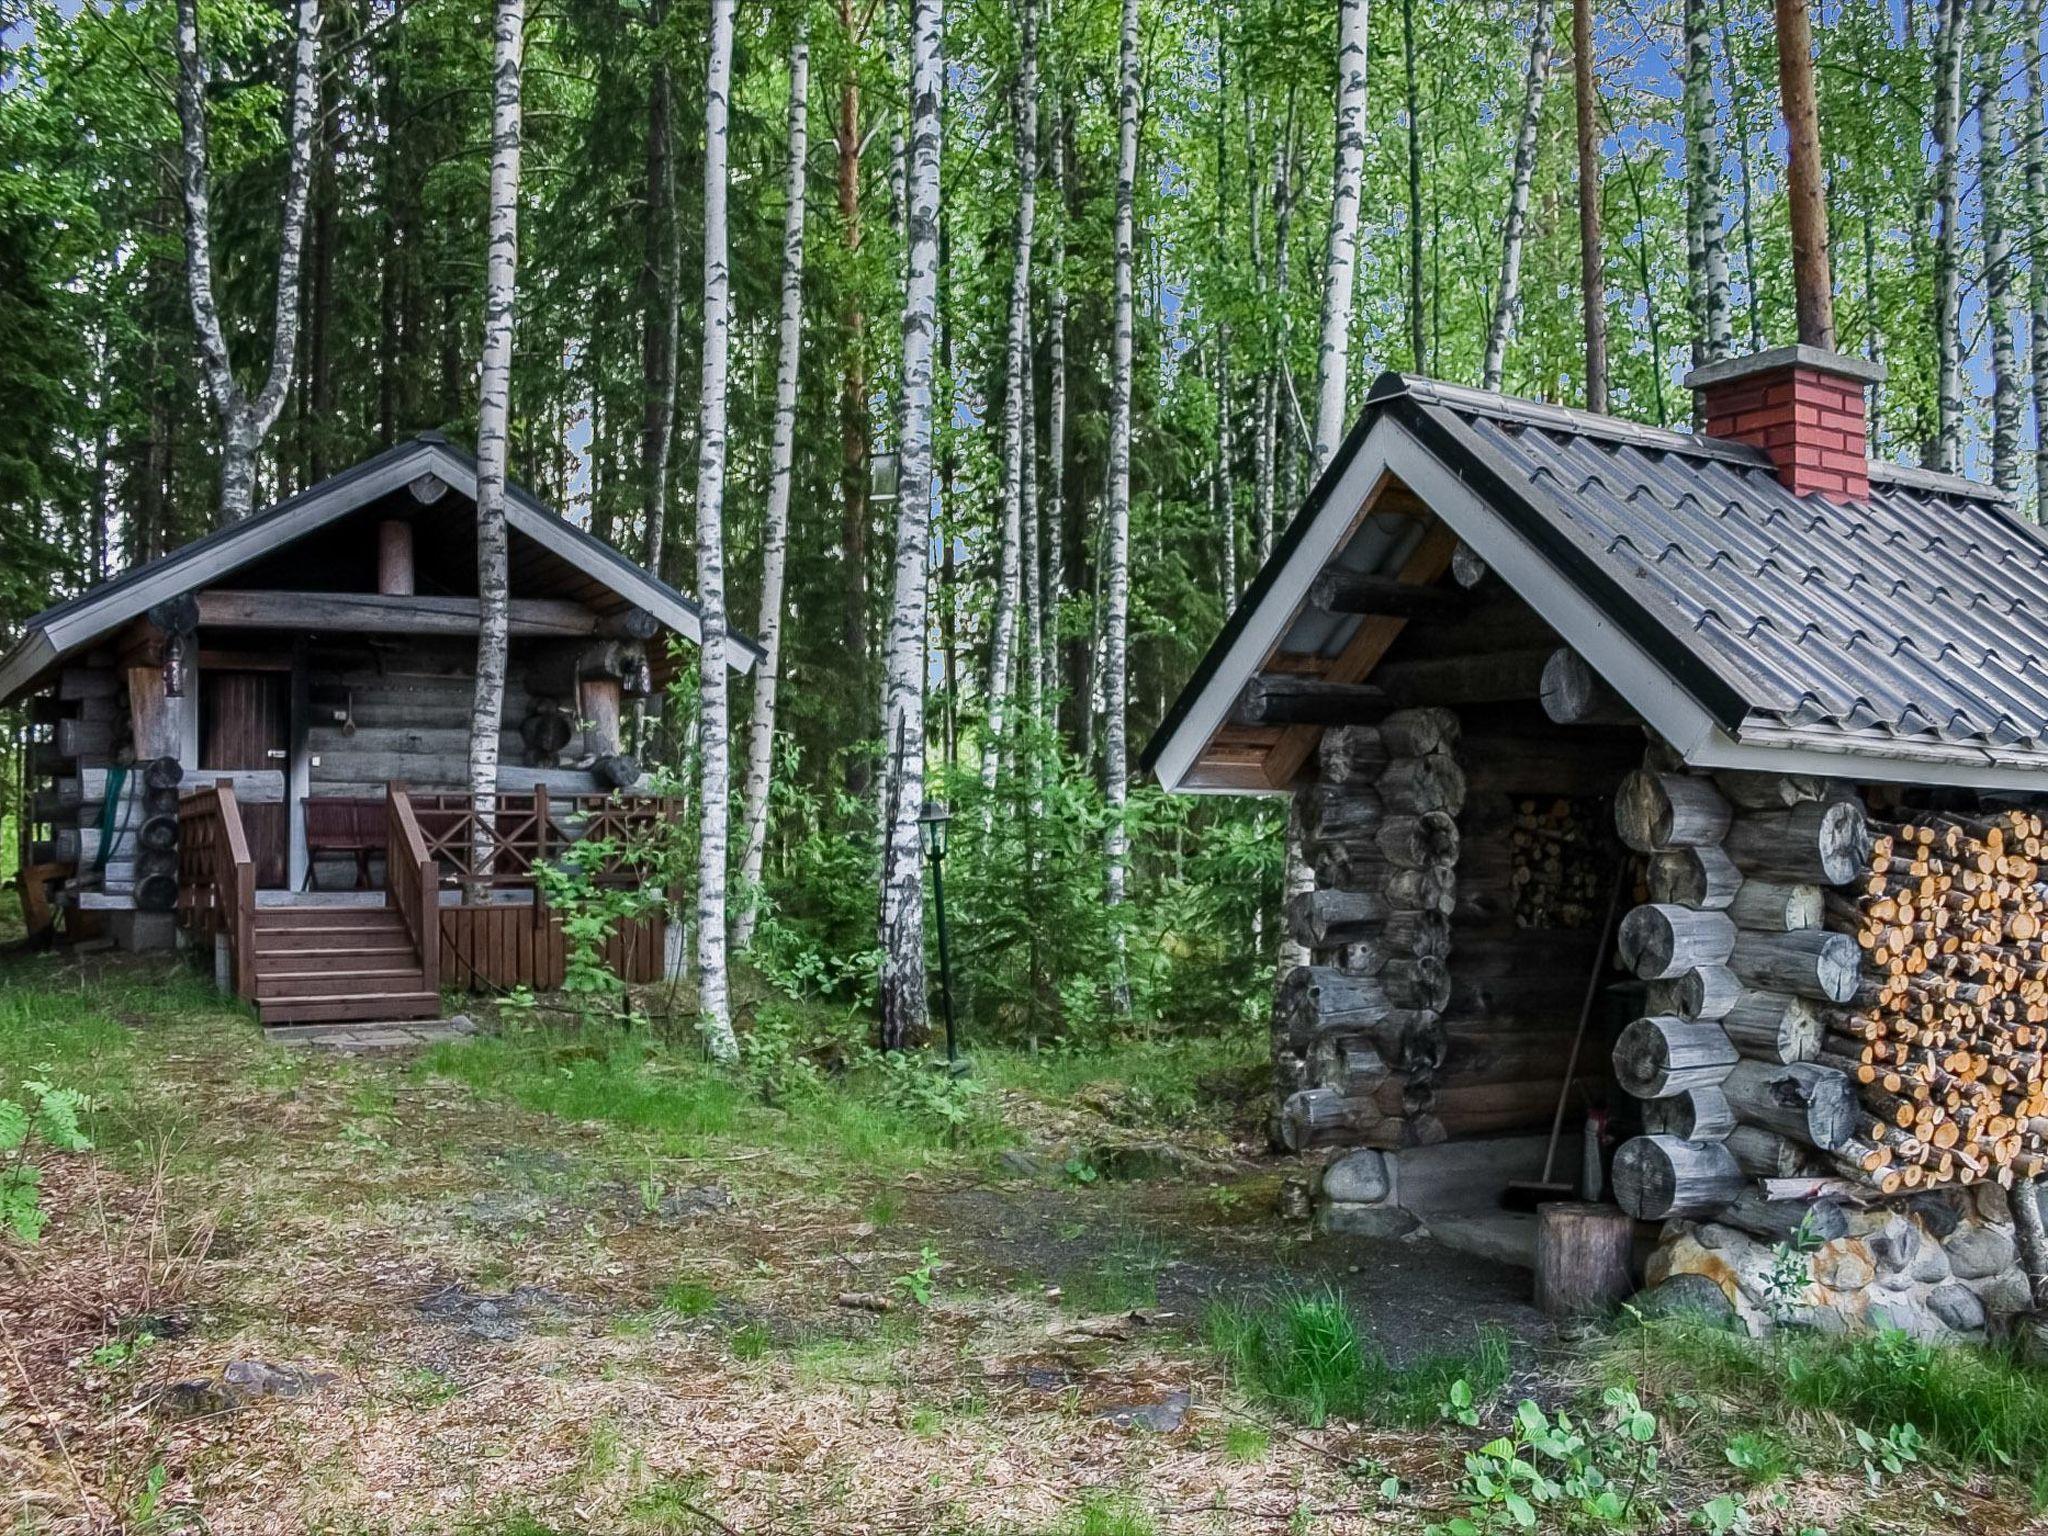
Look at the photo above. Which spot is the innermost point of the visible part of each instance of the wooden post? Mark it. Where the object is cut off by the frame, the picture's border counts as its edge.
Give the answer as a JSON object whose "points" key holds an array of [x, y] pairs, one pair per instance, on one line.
{"points": [[1583, 1257], [394, 558]]}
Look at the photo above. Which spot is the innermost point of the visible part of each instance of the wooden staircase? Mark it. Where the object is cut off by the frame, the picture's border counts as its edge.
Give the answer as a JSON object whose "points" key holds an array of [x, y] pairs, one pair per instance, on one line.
{"points": [[338, 964]]}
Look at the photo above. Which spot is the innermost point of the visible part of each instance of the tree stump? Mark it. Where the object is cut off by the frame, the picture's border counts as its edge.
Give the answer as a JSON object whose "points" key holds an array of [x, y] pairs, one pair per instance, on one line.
{"points": [[1583, 1257]]}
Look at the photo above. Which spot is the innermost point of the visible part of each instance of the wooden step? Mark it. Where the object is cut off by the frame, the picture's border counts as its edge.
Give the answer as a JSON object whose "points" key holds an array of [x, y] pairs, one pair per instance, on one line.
{"points": [[324, 917], [338, 1007], [306, 941], [324, 983]]}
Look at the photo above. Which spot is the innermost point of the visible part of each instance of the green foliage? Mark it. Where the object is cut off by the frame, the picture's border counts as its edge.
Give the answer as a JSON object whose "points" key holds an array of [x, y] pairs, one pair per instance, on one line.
{"points": [[1973, 1405], [1759, 1456], [1306, 1355], [45, 1116], [689, 1298], [1596, 1468], [921, 1283]]}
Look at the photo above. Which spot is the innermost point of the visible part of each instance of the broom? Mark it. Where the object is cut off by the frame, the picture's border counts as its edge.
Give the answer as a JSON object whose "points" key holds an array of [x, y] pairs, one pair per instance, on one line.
{"points": [[1526, 1194]]}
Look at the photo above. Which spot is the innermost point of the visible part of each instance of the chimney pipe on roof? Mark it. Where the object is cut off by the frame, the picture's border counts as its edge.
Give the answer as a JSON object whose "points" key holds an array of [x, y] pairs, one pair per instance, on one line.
{"points": [[1804, 406]]}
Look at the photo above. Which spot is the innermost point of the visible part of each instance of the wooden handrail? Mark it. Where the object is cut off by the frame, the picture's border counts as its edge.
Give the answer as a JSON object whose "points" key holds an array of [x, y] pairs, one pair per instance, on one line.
{"points": [[414, 880], [235, 879]]}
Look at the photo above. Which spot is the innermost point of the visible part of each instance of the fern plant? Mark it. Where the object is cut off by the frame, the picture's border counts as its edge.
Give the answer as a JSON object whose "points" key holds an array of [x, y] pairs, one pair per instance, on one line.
{"points": [[44, 1115]]}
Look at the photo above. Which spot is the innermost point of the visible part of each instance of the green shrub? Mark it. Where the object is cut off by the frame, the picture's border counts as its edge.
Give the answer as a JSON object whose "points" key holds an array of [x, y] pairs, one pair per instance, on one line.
{"points": [[1305, 1355]]}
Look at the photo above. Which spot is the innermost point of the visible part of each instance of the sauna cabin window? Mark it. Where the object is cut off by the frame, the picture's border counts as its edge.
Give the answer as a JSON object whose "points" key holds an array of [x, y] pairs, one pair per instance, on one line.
{"points": [[1560, 859]]}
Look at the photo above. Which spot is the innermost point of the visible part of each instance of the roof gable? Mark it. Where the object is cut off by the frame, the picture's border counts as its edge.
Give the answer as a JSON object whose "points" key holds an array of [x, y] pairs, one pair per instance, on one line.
{"points": [[82, 620], [1736, 617]]}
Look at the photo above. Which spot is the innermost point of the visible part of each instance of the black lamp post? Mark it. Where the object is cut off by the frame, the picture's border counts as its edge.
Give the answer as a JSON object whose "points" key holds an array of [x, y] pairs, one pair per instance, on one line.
{"points": [[931, 823]]}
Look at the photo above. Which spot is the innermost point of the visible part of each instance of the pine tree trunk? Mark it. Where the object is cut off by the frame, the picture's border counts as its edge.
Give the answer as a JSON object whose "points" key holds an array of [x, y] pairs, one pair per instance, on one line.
{"points": [[1016, 428], [1950, 48], [1592, 277], [901, 983], [1333, 357], [781, 459], [1418, 337], [245, 421], [1706, 247], [661, 297], [1813, 287], [1117, 551], [494, 410], [2037, 231], [1507, 298], [1994, 182], [714, 746]]}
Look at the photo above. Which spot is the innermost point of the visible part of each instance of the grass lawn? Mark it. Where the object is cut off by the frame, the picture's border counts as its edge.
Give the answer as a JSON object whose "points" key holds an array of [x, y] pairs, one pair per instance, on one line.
{"points": [[556, 1280]]}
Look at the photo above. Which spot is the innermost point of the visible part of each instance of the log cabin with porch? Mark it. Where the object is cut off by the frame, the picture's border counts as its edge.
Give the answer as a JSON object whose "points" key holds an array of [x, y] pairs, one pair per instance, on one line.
{"points": [[1681, 792], [259, 743]]}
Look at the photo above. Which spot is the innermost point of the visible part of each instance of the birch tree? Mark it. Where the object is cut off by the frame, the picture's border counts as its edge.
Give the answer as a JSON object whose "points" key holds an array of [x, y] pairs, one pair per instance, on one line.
{"points": [[1950, 49], [1592, 276], [245, 420], [1055, 499], [781, 462], [1507, 297], [1706, 248], [901, 982], [1333, 356], [494, 409], [1117, 543], [2037, 233], [1994, 181], [1016, 428], [714, 1004]]}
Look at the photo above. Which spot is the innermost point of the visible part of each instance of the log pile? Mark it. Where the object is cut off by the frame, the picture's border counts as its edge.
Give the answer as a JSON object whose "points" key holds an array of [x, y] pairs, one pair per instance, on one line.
{"points": [[1732, 1062], [1944, 1037], [1557, 863], [1358, 1032]]}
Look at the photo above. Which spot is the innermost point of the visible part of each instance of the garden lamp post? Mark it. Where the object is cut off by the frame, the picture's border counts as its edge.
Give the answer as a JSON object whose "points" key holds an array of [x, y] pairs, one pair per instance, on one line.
{"points": [[931, 822]]}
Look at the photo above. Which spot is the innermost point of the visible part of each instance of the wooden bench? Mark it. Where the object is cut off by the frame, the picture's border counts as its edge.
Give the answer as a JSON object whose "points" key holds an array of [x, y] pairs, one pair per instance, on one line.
{"points": [[344, 824]]}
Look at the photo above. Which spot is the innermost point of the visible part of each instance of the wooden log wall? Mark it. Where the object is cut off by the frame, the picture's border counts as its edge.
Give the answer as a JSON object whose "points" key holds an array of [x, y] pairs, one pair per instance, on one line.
{"points": [[1731, 1061], [1358, 1032]]}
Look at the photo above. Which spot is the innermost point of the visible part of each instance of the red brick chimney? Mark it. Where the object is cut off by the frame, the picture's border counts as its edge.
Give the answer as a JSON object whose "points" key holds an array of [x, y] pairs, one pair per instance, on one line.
{"points": [[1804, 407]]}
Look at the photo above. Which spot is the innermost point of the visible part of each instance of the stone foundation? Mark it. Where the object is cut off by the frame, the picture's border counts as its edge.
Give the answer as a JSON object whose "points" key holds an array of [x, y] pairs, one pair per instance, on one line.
{"points": [[1940, 1265]]}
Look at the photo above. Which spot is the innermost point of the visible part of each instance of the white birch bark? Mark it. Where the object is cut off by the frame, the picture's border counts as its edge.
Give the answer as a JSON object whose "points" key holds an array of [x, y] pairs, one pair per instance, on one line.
{"points": [[1706, 244], [1117, 550], [1055, 499], [781, 459], [245, 420], [1016, 358], [1994, 181], [714, 746], [494, 410], [1951, 47], [2037, 232], [1340, 270], [1226, 449], [901, 982], [1507, 298]]}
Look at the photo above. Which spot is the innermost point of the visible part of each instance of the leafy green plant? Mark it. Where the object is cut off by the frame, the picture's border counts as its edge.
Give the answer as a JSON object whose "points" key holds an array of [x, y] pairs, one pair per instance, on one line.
{"points": [[1791, 1272], [1723, 1515], [1597, 1467], [922, 1282], [45, 1115], [1899, 1448], [1760, 1458]]}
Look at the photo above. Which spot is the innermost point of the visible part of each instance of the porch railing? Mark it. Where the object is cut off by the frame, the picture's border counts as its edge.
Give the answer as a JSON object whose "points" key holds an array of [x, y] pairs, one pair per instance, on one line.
{"points": [[413, 881], [217, 878], [531, 830]]}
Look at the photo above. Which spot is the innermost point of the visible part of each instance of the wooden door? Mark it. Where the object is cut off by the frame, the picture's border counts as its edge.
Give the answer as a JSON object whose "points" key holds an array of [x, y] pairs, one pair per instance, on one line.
{"points": [[245, 722]]}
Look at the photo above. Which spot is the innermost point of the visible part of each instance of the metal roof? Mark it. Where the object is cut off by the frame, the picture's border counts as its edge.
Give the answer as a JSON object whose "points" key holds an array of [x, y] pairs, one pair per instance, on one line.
{"points": [[1913, 626], [65, 628]]}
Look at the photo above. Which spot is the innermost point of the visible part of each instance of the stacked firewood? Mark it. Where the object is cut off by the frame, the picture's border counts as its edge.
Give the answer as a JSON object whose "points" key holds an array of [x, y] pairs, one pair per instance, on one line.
{"points": [[1358, 1032], [1557, 867], [1944, 1036], [1729, 1061]]}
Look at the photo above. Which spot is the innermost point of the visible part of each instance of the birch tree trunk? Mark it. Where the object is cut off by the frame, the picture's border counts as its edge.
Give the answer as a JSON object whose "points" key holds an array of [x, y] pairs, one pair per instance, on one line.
{"points": [[1738, 102], [1333, 356], [1418, 335], [1592, 276], [494, 409], [661, 295], [2037, 232], [781, 459], [1016, 428], [1994, 181], [1950, 48], [901, 983], [245, 420], [1056, 418], [714, 1004], [1706, 247], [1226, 450], [1507, 298], [1117, 550]]}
